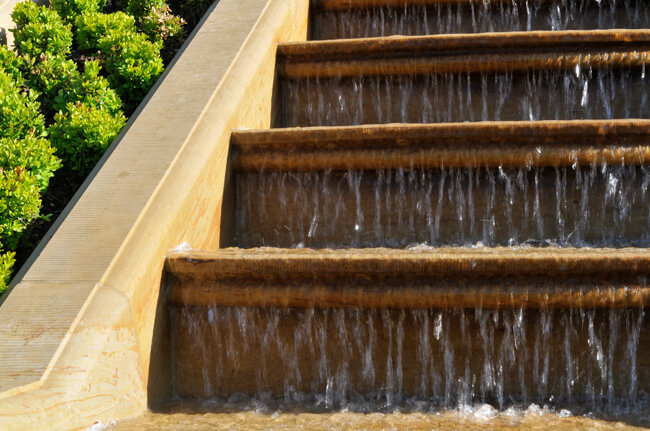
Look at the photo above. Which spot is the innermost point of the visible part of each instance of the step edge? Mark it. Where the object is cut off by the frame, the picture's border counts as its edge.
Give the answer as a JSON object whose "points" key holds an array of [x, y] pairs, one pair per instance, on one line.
{"points": [[464, 53], [502, 40], [470, 145], [629, 258], [624, 125]]}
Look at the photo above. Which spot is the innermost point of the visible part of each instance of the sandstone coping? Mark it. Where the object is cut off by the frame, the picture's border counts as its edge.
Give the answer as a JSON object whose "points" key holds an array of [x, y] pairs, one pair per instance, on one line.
{"points": [[77, 327]]}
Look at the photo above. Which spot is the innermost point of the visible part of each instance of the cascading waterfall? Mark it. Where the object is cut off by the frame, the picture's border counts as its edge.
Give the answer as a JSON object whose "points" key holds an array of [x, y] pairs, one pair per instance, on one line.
{"points": [[311, 344], [419, 359], [577, 206], [438, 98], [478, 16]]}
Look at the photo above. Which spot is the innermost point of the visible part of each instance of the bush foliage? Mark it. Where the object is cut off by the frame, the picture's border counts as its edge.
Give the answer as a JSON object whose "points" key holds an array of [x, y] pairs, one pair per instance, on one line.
{"points": [[132, 61], [6, 263], [69, 10], [133, 64], [155, 18], [59, 83], [40, 31], [27, 160], [82, 133], [78, 66], [90, 27]]}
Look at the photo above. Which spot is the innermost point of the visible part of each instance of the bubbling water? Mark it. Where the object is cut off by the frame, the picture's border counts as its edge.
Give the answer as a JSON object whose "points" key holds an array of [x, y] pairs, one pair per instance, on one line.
{"points": [[480, 16], [577, 206], [420, 359], [452, 97]]}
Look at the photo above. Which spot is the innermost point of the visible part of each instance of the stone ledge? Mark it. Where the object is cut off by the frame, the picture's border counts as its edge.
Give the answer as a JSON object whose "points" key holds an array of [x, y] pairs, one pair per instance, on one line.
{"points": [[159, 184]]}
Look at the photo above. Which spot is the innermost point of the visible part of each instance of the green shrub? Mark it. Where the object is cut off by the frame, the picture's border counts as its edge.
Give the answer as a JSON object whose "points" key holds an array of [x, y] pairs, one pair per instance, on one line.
{"points": [[6, 263], [27, 161], [133, 64], [82, 133], [160, 24], [60, 83], [90, 27], [155, 18], [33, 154], [54, 77], [19, 110], [87, 115], [40, 30], [11, 64], [69, 10], [22, 133], [20, 203], [96, 90]]}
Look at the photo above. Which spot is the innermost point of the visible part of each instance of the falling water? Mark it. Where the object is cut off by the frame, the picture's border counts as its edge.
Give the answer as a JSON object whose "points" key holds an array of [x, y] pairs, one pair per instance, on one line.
{"points": [[477, 16], [564, 206], [421, 359], [368, 360], [534, 95]]}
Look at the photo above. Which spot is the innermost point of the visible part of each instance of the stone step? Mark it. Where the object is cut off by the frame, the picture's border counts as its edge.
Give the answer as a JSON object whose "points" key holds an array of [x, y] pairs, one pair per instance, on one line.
{"points": [[413, 146], [431, 325], [466, 53], [567, 183], [382, 328], [496, 76], [416, 278]]}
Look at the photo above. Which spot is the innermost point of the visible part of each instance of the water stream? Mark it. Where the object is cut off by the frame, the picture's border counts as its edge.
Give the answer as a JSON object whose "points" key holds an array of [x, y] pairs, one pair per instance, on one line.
{"points": [[534, 95], [413, 360], [478, 16], [342, 368], [565, 206]]}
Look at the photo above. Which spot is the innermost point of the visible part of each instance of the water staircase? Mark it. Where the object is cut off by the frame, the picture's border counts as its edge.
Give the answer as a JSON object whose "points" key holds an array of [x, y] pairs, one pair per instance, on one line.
{"points": [[451, 209]]}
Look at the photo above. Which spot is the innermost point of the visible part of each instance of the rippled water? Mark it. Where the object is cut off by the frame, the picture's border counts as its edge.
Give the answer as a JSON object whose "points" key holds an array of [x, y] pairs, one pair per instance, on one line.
{"points": [[564, 206], [535, 95], [477, 16], [532, 418]]}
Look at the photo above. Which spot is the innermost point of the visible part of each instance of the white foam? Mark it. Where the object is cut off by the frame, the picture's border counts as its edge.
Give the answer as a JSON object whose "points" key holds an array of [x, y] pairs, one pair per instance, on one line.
{"points": [[184, 246], [99, 425], [484, 413]]}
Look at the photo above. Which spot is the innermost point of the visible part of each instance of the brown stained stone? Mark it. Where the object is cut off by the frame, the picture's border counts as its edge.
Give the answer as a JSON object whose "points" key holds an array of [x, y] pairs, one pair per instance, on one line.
{"points": [[506, 144], [339, 19], [446, 277], [492, 52]]}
